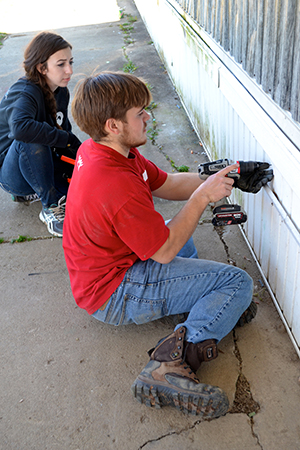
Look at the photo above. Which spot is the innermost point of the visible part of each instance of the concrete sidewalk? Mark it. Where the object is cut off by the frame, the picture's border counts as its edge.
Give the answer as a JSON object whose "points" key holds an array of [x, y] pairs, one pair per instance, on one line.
{"points": [[65, 378]]}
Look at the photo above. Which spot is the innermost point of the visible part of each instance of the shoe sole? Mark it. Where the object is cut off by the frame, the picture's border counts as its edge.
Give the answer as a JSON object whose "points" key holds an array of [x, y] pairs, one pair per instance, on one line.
{"points": [[41, 217], [248, 315], [208, 406]]}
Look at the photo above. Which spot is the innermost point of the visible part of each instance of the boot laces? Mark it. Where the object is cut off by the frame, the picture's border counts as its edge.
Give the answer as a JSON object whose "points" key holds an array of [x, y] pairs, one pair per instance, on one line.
{"points": [[187, 368]]}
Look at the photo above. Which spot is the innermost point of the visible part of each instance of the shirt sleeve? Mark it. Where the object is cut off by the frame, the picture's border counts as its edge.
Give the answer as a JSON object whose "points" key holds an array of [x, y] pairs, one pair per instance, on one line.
{"points": [[157, 177], [24, 126]]}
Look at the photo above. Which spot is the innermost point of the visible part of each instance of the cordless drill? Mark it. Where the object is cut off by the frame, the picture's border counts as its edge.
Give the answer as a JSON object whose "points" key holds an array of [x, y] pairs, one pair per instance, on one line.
{"points": [[209, 168], [227, 214]]}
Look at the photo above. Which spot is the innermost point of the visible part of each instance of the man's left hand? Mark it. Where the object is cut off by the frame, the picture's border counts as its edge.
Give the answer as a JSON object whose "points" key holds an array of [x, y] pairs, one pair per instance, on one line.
{"points": [[253, 181]]}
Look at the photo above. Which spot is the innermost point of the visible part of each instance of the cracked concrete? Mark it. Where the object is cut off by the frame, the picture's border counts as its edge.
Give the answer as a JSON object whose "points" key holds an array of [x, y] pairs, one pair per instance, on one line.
{"points": [[65, 378]]}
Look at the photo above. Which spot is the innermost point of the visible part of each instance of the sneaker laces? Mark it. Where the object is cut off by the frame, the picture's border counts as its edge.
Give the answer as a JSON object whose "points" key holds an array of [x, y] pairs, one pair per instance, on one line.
{"points": [[26, 199], [32, 198], [59, 210]]}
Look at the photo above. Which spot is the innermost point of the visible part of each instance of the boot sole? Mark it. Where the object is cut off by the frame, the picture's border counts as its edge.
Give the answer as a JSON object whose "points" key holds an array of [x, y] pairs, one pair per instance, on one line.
{"points": [[208, 406], [248, 315]]}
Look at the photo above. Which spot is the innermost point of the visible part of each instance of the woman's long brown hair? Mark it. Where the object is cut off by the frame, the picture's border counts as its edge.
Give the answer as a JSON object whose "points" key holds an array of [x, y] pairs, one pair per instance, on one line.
{"points": [[38, 52]]}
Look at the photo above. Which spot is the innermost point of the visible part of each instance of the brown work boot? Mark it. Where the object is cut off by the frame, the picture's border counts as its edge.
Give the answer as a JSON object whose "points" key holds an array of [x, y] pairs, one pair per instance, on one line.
{"points": [[247, 315], [167, 380], [195, 354]]}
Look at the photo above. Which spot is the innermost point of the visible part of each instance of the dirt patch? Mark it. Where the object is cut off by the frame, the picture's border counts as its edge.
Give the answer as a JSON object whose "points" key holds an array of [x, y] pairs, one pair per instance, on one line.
{"points": [[243, 400]]}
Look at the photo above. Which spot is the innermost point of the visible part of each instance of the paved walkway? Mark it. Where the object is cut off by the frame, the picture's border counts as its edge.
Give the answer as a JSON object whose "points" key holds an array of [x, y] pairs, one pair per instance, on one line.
{"points": [[65, 378]]}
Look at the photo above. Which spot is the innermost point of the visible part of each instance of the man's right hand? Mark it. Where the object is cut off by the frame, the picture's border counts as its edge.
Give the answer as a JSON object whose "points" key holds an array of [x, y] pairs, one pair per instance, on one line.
{"points": [[217, 186], [183, 225]]}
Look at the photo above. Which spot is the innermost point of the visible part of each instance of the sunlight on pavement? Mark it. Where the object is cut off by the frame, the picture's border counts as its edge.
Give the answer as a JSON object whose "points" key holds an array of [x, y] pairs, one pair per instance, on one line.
{"points": [[18, 16]]}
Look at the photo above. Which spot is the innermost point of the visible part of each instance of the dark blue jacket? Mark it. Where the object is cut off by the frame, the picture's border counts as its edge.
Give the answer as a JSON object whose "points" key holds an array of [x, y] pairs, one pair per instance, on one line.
{"points": [[23, 117]]}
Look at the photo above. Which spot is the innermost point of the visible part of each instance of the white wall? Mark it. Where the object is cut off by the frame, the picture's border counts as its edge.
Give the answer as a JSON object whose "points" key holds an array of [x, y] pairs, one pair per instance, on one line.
{"points": [[234, 118]]}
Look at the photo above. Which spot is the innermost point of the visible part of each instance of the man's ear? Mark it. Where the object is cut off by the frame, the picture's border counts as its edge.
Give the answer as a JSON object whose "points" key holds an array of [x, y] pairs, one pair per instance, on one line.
{"points": [[112, 126]]}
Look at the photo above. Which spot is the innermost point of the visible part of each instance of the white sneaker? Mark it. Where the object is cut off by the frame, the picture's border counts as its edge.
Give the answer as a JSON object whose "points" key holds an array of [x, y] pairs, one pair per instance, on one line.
{"points": [[54, 216]]}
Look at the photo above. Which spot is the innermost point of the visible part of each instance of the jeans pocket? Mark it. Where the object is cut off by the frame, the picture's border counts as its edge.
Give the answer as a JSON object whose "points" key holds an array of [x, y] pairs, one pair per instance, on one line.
{"points": [[139, 310]]}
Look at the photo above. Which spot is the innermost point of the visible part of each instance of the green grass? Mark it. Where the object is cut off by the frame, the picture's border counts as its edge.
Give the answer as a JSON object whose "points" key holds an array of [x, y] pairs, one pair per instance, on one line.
{"points": [[181, 168], [21, 239], [129, 67], [127, 29], [2, 37]]}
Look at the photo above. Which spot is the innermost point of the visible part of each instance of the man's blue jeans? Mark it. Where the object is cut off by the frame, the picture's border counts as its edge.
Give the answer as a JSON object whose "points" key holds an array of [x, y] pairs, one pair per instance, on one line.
{"points": [[215, 295], [31, 168]]}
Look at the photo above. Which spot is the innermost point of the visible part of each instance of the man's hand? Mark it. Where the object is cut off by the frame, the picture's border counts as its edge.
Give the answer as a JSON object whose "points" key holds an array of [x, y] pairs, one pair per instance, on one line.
{"points": [[183, 225], [217, 186], [253, 181]]}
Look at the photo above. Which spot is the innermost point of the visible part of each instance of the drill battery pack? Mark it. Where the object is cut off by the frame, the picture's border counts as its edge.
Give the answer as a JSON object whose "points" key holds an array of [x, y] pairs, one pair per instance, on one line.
{"points": [[228, 215]]}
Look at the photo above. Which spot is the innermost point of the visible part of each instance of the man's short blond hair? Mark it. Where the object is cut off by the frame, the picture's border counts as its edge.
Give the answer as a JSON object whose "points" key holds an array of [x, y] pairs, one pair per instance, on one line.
{"points": [[107, 95]]}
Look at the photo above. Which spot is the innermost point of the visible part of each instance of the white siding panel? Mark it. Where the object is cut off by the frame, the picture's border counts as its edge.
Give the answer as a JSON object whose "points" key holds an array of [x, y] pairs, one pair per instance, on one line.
{"points": [[265, 234], [232, 118], [275, 237], [290, 280], [262, 36], [295, 207], [295, 325]]}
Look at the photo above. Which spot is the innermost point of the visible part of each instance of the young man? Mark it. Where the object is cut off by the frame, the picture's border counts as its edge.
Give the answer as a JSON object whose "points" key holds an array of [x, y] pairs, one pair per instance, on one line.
{"points": [[127, 266]]}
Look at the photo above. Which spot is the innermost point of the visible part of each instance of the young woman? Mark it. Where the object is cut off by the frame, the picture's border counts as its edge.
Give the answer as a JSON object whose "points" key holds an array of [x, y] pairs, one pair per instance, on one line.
{"points": [[35, 129]]}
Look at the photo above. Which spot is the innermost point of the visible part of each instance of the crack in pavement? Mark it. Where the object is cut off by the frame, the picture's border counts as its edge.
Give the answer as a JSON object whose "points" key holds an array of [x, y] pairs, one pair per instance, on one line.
{"points": [[220, 233], [171, 433], [243, 399], [21, 239], [243, 403]]}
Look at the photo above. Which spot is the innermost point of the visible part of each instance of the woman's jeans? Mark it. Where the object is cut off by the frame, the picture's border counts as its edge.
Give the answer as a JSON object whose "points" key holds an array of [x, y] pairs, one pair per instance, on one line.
{"points": [[32, 168], [215, 295]]}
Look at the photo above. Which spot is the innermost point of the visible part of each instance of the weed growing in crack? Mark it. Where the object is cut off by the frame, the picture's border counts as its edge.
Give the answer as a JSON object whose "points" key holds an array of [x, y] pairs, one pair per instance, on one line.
{"points": [[2, 38], [127, 28], [21, 239], [152, 105], [129, 67], [131, 18], [181, 168], [152, 133], [260, 294]]}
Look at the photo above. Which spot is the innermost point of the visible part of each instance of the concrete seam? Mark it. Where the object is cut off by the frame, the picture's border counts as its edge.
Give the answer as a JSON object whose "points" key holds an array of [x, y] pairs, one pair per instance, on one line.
{"points": [[242, 383]]}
